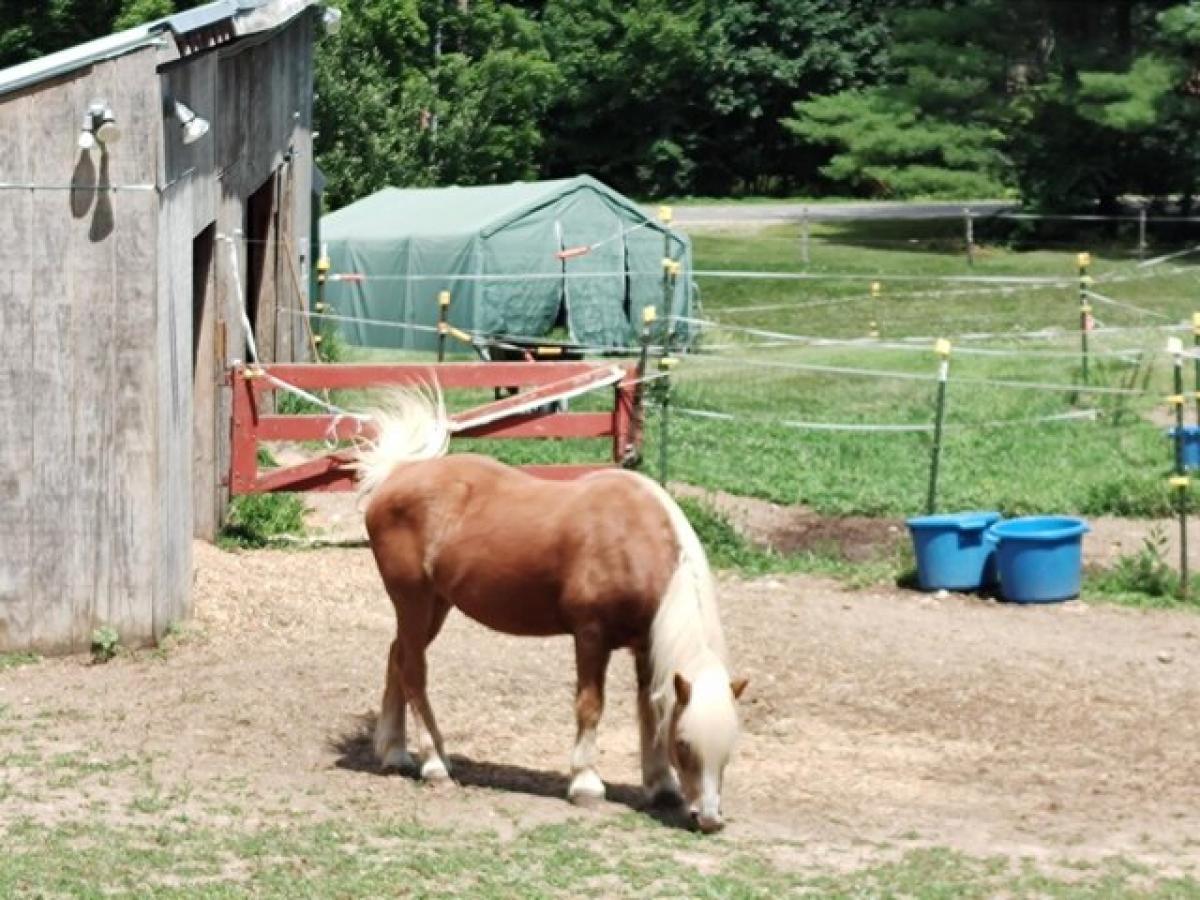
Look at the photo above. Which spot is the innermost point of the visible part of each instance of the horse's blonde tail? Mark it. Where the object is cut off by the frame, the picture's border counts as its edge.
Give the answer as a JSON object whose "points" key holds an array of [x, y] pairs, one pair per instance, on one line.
{"points": [[412, 424]]}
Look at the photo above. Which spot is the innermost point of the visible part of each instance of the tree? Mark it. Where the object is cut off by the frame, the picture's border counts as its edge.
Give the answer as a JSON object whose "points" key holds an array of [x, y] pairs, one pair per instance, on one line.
{"points": [[761, 56], [936, 127], [30, 30], [1070, 104], [415, 92], [629, 98]]}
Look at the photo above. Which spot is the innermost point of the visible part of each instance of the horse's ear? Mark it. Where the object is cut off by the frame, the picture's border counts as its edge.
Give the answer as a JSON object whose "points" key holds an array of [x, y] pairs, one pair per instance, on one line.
{"points": [[738, 685], [683, 690]]}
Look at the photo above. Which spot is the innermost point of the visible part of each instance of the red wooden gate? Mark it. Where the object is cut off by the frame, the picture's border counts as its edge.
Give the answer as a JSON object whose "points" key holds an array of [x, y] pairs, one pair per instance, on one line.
{"points": [[512, 417]]}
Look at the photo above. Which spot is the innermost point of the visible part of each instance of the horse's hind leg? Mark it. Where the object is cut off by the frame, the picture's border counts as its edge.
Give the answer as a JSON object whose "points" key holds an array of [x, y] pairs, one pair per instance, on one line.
{"points": [[658, 780], [591, 664], [419, 632], [390, 741]]}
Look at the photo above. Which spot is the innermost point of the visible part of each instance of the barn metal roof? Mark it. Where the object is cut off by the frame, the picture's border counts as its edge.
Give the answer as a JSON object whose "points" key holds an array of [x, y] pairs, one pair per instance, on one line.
{"points": [[190, 31]]}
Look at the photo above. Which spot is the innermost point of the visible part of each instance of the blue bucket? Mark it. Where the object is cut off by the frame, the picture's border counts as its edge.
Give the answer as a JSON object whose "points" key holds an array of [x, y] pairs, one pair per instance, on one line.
{"points": [[951, 551], [1039, 558], [1191, 446]]}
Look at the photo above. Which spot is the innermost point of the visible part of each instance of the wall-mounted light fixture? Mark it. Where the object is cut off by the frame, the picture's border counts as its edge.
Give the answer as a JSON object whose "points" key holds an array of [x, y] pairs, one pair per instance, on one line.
{"points": [[192, 126], [332, 20], [99, 124]]}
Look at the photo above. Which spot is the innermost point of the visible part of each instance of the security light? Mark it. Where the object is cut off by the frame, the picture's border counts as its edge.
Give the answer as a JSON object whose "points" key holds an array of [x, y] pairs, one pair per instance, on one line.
{"points": [[192, 126], [99, 124], [107, 130]]}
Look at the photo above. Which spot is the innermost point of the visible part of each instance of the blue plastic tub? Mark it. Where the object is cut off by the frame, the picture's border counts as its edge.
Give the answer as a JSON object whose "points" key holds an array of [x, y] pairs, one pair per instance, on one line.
{"points": [[1039, 559], [951, 551], [1191, 446]]}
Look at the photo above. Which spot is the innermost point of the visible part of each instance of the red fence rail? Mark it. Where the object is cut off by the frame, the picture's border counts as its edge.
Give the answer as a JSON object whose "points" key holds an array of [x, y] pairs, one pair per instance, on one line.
{"points": [[253, 424]]}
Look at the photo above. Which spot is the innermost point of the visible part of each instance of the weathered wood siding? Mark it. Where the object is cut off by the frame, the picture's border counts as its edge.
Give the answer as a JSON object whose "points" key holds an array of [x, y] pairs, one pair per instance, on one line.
{"points": [[114, 342], [258, 98], [86, 540]]}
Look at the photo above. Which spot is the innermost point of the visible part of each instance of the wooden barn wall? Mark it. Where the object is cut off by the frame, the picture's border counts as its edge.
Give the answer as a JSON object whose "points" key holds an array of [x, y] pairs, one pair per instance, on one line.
{"points": [[85, 537], [258, 97]]}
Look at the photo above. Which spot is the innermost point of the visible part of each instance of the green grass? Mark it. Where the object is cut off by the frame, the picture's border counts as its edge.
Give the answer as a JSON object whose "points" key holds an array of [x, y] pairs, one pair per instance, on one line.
{"points": [[1116, 465], [628, 857], [16, 660], [257, 520]]}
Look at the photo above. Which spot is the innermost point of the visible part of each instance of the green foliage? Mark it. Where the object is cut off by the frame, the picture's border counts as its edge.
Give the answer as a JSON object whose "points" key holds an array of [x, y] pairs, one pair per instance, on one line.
{"points": [[16, 660], [255, 520], [30, 30], [415, 92], [1143, 578], [936, 127], [106, 642], [726, 548], [136, 12]]}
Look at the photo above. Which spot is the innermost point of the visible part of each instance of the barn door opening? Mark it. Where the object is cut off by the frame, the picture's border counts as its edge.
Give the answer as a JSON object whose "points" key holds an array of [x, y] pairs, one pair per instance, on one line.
{"points": [[207, 372], [261, 254], [203, 246]]}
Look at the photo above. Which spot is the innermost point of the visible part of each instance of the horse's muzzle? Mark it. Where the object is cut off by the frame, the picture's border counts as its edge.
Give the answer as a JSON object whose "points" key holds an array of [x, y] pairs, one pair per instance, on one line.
{"points": [[707, 824]]}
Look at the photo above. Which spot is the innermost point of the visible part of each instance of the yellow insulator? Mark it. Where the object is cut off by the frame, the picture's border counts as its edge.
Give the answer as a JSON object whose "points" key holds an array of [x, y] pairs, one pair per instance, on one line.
{"points": [[1084, 260]]}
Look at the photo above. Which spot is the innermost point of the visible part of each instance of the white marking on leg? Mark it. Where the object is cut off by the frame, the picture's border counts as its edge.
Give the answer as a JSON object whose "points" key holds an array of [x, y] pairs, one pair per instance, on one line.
{"points": [[586, 785], [389, 734], [433, 765]]}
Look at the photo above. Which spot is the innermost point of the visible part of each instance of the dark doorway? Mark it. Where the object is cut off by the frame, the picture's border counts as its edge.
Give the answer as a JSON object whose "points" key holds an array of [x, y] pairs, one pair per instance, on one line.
{"points": [[202, 273], [261, 236]]}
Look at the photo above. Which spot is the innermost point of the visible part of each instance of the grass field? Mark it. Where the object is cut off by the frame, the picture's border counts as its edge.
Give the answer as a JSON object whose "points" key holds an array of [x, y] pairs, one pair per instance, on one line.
{"points": [[622, 858], [1116, 464]]}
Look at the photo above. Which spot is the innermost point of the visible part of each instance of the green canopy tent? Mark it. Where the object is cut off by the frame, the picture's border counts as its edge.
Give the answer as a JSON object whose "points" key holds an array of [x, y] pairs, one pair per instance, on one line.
{"points": [[496, 249]]}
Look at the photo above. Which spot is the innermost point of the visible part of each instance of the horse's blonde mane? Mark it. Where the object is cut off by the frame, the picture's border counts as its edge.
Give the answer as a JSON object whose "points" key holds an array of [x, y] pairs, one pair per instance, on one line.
{"points": [[412, 424], [686, 635]]}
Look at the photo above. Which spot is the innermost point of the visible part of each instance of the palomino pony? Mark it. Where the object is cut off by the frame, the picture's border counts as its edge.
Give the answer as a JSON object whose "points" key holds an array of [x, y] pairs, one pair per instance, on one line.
{"points": [[608, 559]]}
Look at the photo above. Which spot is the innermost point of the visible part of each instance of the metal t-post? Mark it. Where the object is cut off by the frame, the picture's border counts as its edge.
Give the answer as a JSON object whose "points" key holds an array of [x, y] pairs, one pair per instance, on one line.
{"points": [[1196, 344], [1085, 309], [942, 348], [1180, 481], [443, 324], [969, 224]]}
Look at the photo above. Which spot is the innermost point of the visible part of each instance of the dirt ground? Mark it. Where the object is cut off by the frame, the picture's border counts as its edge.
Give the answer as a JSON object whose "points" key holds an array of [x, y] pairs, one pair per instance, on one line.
{"points": [[793, 529], [874, 720]]}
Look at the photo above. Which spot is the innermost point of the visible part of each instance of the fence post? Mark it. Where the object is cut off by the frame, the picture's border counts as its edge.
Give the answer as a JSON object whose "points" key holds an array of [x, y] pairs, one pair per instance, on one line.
{"points": [[443, 326], [1141, 247], [666, 216], [1196, 344], [804, 236], [873, 324], [942, 349], [315, 334], [1085, 310], [969, 225], [665, 364], [1180, 481]]}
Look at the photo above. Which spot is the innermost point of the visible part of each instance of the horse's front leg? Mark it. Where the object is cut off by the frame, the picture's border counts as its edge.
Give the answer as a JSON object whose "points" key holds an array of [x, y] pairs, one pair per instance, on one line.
{"points": [[591, 665]]}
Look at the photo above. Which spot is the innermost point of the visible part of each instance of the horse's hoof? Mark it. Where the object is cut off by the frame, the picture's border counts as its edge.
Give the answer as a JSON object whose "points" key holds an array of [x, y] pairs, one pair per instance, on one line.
{"points": [[399, 759], [433, 769], [586, 789]]}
